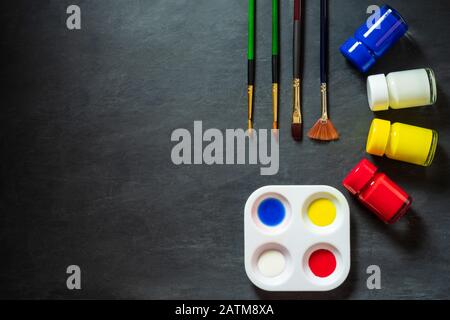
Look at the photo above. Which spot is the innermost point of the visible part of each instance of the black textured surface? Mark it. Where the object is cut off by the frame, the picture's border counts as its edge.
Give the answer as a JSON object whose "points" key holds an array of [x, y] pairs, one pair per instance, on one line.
{"points": [[85, 125]]}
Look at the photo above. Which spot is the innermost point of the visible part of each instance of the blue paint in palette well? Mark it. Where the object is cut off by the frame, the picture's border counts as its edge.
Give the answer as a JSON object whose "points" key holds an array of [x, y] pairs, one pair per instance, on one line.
{"points": [[271, 212]]}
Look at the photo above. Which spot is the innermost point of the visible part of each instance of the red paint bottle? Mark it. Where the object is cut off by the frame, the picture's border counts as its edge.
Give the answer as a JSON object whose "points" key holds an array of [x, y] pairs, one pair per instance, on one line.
{"points": [[377, 192]]}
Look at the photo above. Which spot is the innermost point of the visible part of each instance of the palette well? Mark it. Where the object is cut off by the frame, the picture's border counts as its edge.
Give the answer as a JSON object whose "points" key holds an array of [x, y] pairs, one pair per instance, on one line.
{"points": [[297, 238]]}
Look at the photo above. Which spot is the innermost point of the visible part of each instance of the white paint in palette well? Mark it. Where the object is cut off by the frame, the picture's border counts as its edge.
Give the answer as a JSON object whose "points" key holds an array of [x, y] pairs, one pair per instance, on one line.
{"points": [[271, 263]]}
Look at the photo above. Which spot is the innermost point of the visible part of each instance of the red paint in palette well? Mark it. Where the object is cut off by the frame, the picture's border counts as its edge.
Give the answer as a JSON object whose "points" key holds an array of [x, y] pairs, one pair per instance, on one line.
{"points": [[322, 263]]}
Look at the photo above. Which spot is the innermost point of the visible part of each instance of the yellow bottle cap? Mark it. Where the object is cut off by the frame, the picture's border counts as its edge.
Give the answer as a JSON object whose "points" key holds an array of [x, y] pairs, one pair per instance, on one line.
{"points": [[378, 137]]}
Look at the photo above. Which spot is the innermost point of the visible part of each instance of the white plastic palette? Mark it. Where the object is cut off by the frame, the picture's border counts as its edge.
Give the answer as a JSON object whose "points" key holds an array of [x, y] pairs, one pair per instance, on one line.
{"points": [[294, 253]]}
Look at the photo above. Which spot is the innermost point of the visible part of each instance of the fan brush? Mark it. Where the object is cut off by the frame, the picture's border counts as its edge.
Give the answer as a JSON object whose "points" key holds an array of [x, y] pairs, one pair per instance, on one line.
{"points": [[324, 129]]}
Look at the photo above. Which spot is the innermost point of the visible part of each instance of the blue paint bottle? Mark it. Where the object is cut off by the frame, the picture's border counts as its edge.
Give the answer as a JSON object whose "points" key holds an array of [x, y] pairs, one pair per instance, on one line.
{"points": [[371, 42]]}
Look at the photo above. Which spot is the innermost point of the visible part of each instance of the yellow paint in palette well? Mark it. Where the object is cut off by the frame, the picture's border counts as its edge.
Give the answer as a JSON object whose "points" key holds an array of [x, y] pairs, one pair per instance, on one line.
{"points": [[322, 212]]}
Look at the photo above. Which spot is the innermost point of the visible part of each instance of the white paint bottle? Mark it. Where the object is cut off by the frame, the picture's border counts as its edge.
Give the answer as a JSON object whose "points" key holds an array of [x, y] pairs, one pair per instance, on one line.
{"points": [[403, 89]]}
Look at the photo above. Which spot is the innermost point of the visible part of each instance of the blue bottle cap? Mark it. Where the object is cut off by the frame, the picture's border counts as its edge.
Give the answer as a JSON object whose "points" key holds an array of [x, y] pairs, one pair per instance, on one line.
{"points": [[358, 54]]}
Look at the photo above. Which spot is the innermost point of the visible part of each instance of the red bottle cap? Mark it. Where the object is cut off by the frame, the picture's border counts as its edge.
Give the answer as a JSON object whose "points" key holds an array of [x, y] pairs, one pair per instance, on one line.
{"points": [[359, 176]]}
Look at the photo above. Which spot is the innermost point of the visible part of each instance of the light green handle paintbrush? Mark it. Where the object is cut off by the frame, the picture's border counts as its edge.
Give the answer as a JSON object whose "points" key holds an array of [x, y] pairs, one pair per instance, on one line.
{"points": [[275, 61], [251, 60]]}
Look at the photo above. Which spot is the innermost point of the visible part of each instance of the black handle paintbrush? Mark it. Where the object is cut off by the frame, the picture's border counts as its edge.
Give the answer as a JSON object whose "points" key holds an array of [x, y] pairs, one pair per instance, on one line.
{"points": [[324, 129]]}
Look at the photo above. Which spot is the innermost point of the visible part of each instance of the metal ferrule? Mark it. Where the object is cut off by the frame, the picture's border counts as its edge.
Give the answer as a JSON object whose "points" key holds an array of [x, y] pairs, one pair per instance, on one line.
{"points": [[296, 114], [275, 105], [250, 106], [323, 93]]}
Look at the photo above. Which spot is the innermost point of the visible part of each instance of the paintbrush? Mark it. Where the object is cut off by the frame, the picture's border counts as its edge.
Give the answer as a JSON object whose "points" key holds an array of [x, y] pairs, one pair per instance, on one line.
{"points": [[275, 61], [297, 126], [251, 61], [324, 129]]}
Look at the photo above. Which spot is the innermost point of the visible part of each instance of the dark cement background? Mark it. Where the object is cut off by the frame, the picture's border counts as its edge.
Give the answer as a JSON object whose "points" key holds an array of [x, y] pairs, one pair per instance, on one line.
{"points": [[85, 125]]}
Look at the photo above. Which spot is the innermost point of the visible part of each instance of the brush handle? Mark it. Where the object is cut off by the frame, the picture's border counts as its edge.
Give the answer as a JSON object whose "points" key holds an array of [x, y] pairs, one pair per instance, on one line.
{"points": [[275, 42], [297, 38], [323, 41], [251, 42]]}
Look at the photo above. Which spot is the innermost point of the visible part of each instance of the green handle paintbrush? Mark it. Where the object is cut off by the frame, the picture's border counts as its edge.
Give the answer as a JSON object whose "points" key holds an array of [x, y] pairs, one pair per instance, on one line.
{"points": [[251, 60], [275, 61]]}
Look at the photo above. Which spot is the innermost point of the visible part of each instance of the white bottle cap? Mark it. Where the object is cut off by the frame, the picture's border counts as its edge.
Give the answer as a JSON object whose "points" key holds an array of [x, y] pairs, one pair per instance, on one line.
{"points": [[378, 92]]}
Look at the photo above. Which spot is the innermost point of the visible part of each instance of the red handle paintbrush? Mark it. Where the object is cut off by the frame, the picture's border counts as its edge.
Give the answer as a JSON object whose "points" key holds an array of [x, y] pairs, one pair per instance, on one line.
{"points": [[297, 126]]}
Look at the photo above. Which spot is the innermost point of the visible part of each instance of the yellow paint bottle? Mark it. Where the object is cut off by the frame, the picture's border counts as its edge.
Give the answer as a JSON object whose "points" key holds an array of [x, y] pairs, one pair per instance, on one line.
{"points": [[402, 142]]}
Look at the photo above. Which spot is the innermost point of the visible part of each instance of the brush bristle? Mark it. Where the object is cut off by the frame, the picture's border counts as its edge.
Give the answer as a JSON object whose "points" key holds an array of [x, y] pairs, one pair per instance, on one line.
{"points": [[297, 131], [323, 130], [276, 134]]}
